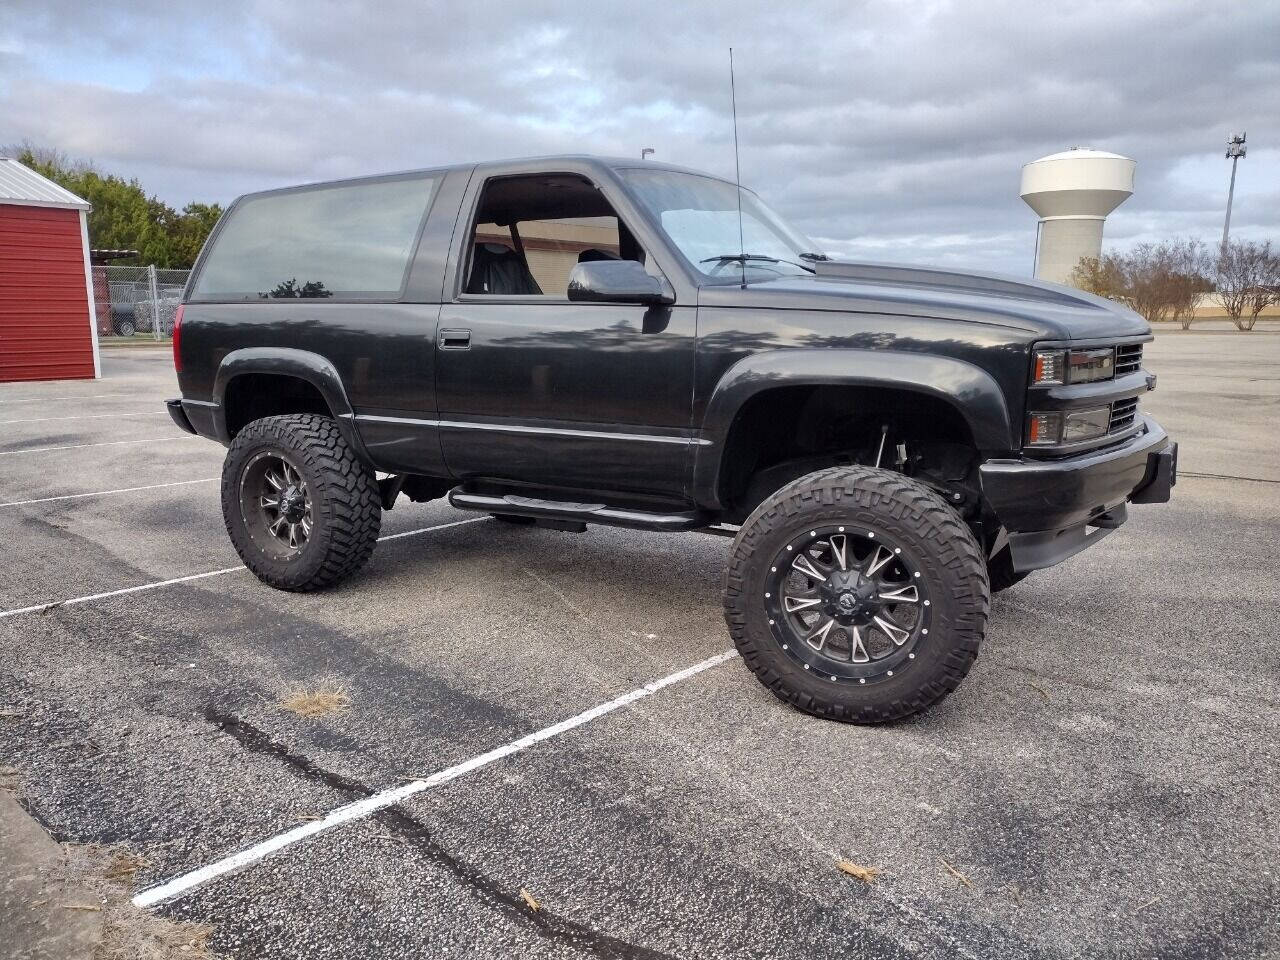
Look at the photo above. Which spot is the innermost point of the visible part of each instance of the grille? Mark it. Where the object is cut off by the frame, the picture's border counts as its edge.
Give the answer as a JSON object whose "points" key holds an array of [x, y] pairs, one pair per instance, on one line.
{"points": [[1128, 358], [1123, 413]]}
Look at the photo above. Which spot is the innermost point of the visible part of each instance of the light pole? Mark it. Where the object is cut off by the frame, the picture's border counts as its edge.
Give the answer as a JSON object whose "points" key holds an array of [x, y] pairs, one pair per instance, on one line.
{"points": [[1235, 150]]}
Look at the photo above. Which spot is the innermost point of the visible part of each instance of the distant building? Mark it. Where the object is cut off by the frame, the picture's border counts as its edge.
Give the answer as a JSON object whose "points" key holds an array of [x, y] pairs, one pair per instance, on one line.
{"points": [[47, 329]]}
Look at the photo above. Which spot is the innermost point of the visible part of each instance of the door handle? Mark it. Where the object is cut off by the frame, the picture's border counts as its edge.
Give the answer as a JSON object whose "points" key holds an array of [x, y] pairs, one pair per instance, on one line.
{"points": [[455, 339]]}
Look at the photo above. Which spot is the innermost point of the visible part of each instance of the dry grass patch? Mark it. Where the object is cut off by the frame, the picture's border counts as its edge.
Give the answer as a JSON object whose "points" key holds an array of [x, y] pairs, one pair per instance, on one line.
{"points": [[320, 702], [124, 866], [128, 933]]}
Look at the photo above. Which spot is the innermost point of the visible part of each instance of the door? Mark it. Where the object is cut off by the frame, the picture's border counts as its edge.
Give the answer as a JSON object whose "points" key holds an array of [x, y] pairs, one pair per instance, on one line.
{"points": [[532, 388]]}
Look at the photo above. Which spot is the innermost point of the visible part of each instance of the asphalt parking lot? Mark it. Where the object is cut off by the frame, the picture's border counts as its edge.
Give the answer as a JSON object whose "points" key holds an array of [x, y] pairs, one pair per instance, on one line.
{"points": [[1105, 780]]}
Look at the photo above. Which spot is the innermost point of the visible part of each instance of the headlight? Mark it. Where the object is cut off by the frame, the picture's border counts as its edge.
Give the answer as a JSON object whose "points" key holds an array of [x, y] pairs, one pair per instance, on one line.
{"points": [[1085, 366], [1073, 366], [1067, 426]]}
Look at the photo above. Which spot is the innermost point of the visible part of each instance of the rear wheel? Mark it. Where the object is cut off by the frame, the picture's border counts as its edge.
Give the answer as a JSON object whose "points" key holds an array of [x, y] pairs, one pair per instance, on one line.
{"points": [[301, 509], [126, 328], [857, 594]]}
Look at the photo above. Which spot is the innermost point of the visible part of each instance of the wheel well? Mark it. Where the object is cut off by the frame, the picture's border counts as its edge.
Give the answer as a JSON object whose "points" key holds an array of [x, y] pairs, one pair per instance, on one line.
{"points": [[786, 432], [252, 396]]}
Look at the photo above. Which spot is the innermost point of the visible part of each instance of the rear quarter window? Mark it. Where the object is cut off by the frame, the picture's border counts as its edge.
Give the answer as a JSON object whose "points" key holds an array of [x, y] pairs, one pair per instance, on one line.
{"points": [[347, 242]]}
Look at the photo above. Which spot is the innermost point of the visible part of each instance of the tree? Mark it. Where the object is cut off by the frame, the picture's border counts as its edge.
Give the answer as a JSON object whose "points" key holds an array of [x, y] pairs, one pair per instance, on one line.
{"points": [[1103, 276], [1248, 280], [1189, 279], [1161, 281], [123, 216]]}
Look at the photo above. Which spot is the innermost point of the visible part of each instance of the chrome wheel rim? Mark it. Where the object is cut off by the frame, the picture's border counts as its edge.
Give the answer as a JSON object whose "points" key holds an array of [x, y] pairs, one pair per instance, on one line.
{"points": [[275, 503], [847, 603]]}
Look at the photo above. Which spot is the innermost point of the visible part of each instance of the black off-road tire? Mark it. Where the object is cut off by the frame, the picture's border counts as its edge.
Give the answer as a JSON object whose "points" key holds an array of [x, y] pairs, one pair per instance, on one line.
{"points": [[905, 512], [1000, 571], [346, 511]]}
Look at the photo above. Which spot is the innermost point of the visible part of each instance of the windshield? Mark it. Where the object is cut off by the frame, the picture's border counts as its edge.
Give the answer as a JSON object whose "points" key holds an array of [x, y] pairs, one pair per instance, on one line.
{"points": [[700, 216]]}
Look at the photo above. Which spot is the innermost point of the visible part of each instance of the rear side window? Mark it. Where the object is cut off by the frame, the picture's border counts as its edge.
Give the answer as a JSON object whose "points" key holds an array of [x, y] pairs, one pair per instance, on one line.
{"points": [[351, 242]]}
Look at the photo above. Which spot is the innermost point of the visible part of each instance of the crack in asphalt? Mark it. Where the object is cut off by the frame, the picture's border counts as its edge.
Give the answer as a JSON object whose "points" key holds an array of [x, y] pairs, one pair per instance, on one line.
{"points": [[483, 887]]}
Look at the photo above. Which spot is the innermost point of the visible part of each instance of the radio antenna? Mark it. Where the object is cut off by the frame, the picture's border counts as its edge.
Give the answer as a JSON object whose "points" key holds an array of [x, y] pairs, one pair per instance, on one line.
{"points": [[737, 173]]}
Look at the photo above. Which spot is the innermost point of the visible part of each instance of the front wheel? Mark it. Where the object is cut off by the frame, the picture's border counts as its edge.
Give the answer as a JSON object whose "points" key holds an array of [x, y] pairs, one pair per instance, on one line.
{"points": [[300, 507], [857, 594]]}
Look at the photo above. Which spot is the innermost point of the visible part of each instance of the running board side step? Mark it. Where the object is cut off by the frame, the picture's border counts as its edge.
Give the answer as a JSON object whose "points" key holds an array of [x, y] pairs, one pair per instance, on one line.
{"points": [[518, 506]]}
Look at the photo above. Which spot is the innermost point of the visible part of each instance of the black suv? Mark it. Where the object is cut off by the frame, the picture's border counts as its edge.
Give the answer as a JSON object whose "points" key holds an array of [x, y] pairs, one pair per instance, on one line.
{"points": [[576, 340]]}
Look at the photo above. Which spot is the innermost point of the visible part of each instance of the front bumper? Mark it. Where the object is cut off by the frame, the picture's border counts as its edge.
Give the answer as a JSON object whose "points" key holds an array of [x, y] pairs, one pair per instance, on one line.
{"points": [[1053, 509]]}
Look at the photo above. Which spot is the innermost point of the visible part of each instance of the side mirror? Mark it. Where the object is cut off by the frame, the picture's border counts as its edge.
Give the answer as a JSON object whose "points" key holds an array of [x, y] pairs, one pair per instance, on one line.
{"points": [[616, 281]]}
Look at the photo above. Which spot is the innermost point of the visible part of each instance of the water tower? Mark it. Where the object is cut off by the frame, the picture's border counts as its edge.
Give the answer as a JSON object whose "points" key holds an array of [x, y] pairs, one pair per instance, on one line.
{"points": [[1073, 192]]}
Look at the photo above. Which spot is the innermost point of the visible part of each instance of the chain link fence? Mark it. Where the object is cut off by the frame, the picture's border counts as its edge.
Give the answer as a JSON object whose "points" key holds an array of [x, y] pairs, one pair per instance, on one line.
{"points": [[137, 301]]}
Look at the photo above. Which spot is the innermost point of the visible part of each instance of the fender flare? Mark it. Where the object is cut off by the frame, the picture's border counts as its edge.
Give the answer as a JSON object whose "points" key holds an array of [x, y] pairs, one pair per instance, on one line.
{"points": [[289, 362], [974, 394]]}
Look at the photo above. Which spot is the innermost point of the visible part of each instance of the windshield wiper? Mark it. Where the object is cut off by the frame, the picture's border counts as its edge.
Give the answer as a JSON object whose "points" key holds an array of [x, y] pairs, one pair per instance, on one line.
{"points": [[740, 257], [745, 258], [813, 256]]}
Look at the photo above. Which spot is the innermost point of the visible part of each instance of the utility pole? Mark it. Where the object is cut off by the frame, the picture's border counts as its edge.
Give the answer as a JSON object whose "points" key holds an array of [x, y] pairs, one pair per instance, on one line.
{"points": [[1235, 150]]}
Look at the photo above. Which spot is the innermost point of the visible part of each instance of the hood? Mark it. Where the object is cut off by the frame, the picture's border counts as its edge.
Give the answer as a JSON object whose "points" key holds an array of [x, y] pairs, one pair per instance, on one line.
{"points": [[1048, 311]]}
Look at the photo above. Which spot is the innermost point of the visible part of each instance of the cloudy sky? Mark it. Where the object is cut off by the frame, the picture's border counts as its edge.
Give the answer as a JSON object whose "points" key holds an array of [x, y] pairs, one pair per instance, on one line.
{"points": [[885, 130]]}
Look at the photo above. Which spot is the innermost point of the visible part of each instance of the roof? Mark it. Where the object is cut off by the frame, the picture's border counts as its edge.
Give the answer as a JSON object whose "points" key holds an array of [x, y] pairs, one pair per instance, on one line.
{"points": [[540, 164], [21, 185], [1078, 153]]}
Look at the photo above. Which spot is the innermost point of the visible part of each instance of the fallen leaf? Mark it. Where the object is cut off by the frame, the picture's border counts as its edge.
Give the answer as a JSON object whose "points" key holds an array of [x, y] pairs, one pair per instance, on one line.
{"points": [[956, 873], [866, 874], [527, 897], [1147, 904], [1039, 690]]}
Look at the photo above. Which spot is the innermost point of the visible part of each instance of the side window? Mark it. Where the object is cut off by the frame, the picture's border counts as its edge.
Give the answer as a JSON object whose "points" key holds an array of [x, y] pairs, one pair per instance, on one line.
{"points": [[531, 231], [345, 241]]}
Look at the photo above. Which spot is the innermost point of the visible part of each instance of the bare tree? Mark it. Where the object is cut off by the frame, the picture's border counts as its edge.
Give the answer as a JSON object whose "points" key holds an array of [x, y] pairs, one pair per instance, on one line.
{"points": [[1190, 277], [1248, 278], [1160, 281], [45, 156]]}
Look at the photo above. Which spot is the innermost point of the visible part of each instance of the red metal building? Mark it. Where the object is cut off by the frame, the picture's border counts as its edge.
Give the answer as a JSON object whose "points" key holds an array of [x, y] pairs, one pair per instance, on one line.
{"points": [[47, 329]]}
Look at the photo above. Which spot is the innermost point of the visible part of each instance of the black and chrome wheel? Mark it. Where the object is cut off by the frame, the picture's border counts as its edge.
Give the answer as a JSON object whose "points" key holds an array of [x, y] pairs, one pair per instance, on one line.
{"points": [[857, 594], [275, 504], [847, 602], [301, 509]]}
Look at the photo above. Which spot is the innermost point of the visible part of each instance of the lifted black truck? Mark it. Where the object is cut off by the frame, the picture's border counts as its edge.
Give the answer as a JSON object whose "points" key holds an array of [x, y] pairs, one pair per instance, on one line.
{"points": [[575, 340]]}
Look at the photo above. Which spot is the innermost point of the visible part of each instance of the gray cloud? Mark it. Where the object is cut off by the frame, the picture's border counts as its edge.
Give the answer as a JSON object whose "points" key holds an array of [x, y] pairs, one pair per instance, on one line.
{"points": [[888, 130]]}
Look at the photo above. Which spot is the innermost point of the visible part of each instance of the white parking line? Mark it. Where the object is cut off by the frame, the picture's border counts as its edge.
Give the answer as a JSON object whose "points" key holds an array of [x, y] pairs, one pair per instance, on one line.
{"points": [[90, 416], [53, 604], [102, 443], [370, 805], [104, 493]]}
